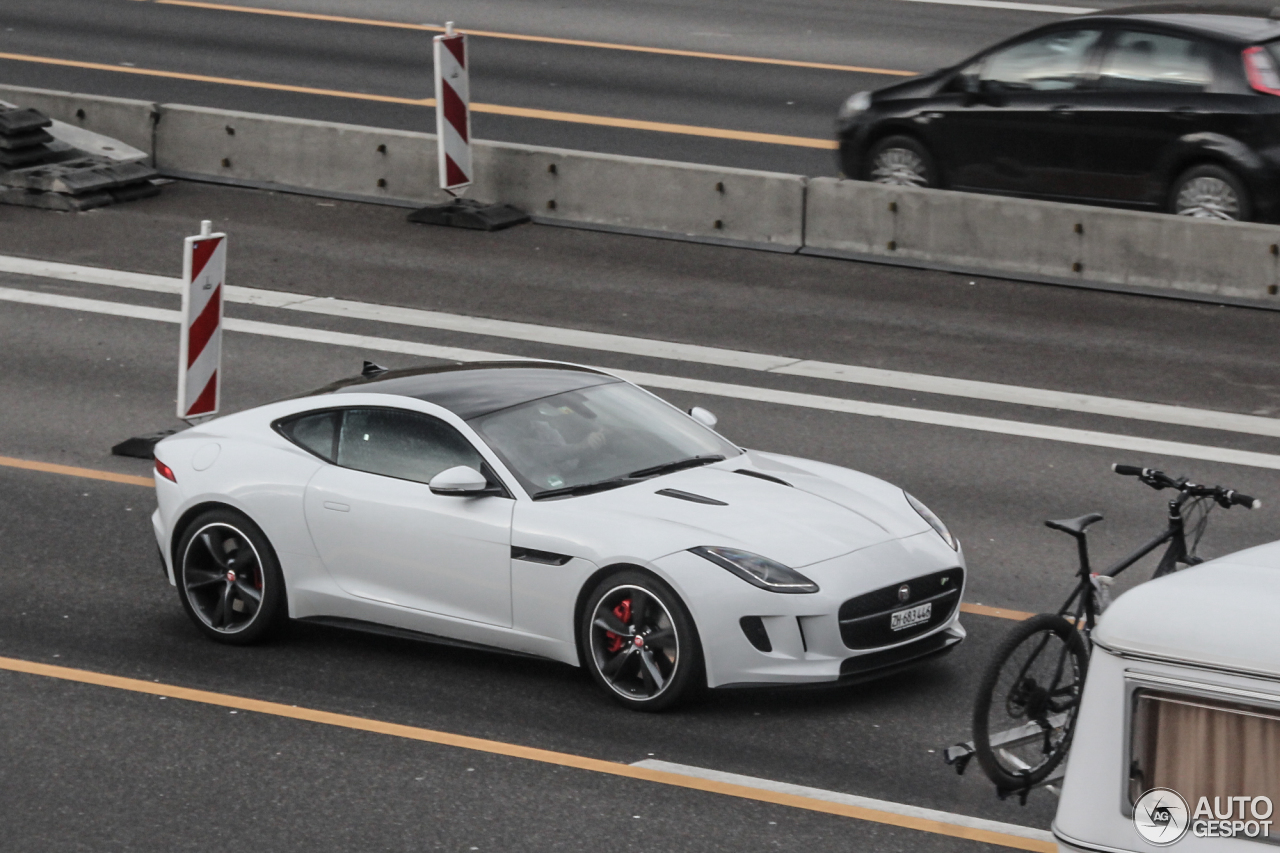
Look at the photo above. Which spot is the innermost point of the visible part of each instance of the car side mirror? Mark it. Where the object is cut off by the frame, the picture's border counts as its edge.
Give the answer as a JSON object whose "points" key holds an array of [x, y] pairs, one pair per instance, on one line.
{"points": [[459, 481], [704, 417]]}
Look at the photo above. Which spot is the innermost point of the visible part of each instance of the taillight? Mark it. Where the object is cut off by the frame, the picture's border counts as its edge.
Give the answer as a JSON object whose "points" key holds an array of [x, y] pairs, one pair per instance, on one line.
{"points": [[165, 471], [1261, 70]]}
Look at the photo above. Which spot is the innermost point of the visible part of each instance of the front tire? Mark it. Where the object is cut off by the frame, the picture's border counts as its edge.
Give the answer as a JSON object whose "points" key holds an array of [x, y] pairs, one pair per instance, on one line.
{"points": [[901, 161], [1210, 192], [1035, 679], [229, 580], [639, 642]]}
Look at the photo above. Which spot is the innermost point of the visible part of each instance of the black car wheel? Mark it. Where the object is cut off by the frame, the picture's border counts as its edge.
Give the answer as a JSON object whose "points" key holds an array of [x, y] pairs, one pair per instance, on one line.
{"points": [[1210, 192], [228, 577], [902, 162], [639, 644]]}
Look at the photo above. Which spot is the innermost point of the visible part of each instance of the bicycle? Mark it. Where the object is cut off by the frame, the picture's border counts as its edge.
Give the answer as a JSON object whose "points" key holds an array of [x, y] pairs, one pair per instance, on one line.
{"points": [[1025, 714]]}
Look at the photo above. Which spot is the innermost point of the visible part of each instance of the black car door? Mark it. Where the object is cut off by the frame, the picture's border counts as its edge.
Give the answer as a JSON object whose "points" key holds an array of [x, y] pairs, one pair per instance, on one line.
{"points": [[1153, 88], [1013, 131]]}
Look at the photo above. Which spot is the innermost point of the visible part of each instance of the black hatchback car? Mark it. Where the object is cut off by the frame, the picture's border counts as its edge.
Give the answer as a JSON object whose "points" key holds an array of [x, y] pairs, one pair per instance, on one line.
{"points": [[1172, 108]]}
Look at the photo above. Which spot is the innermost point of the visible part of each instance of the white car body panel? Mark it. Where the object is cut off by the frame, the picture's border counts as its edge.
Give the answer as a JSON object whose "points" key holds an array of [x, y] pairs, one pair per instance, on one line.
{"points": [[849, 532]]}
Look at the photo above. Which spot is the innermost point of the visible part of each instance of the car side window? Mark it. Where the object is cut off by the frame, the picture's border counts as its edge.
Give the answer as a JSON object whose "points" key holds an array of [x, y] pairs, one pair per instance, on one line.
{"points": [[1149, 62], [405, 445], [314, 431], [1052, 62]]}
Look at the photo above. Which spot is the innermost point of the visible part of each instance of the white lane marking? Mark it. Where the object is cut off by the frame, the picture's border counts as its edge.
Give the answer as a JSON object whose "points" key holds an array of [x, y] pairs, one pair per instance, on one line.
{"points": [[1009, 4], [692, 353], [848, 799], [720, 389]]}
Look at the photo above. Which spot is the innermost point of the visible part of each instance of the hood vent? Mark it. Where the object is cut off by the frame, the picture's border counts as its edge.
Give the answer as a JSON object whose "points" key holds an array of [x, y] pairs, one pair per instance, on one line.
{"points": [[689, 496], [760, 476]]}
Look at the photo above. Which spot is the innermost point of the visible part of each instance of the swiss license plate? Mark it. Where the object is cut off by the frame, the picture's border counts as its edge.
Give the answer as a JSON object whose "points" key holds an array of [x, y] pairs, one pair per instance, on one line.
{"points": [[911, 616]]}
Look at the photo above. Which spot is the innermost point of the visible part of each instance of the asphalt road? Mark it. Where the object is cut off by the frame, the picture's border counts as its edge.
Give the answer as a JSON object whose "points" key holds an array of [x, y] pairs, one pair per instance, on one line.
{"points": [[91, 768], [101, 46]]}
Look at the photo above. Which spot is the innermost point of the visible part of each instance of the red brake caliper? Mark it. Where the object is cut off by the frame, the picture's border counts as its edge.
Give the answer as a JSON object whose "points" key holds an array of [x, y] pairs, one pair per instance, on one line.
{"points": [[623, 612]]}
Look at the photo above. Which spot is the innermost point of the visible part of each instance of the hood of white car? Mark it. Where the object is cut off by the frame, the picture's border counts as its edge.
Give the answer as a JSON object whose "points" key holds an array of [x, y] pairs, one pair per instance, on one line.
{"points": [[806, 519]]}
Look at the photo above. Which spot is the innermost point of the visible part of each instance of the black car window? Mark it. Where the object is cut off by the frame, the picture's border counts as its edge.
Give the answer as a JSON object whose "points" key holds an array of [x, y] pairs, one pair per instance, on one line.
{"points": [[406, 445], [313, 431], [1149, 62], [1050, 62]]}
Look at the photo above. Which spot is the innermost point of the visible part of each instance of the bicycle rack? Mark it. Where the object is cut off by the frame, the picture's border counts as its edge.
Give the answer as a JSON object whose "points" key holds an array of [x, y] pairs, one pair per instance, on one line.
{"points": [[958, 756]]}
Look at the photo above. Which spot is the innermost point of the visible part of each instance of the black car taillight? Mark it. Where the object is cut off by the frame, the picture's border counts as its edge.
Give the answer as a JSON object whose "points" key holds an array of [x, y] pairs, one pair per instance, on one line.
{"points": [[1260, 68]]}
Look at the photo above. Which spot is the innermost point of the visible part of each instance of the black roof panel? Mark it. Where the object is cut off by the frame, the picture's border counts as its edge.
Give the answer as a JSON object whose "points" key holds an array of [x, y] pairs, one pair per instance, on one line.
{"points": [[471, 390]]}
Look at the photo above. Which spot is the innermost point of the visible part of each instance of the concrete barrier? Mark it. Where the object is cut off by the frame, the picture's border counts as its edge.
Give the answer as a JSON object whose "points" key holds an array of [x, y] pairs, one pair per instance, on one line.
{"points": [[130, 121], [974, 233], [558, 186], [291, 153], [1040, 240]]}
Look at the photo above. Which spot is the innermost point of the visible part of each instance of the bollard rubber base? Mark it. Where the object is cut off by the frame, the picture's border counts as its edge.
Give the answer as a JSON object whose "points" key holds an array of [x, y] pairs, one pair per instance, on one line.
{"points": [[468, 213], [141, 446]]}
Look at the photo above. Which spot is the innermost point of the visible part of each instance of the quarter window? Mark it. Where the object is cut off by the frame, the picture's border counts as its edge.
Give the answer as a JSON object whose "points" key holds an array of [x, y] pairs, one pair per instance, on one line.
{"points": [[315, 432], [405, 445], [1147, 62], [1203, 748], [1056, 61]]}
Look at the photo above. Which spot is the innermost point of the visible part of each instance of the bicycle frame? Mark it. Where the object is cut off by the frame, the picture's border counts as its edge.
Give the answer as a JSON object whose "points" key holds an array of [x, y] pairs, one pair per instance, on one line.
{"points": [[1086, 611]]}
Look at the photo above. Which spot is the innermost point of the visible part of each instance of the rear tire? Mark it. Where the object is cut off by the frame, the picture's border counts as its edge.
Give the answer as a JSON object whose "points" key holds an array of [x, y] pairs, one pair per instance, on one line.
{"points": [[229, 580], [900, 161], [1210, 192], [1036, 674], [639, 642]]}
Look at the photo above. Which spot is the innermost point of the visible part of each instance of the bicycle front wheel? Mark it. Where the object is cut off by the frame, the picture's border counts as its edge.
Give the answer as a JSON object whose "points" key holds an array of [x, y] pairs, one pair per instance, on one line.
{"points": [[1028, 700]]}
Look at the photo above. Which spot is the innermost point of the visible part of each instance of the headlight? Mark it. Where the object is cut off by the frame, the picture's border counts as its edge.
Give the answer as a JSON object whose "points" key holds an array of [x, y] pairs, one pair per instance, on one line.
{"points": [[756, 570], [853, 105], [934, 522]]}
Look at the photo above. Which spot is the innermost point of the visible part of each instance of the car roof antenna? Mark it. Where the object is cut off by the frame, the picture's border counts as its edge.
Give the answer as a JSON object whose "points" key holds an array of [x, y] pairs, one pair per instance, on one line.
{"points": [[371, 370]]}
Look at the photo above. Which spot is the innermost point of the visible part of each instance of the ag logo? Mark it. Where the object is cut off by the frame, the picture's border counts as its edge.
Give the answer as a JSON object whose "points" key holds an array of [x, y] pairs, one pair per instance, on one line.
{"points": [[1161, 816]]}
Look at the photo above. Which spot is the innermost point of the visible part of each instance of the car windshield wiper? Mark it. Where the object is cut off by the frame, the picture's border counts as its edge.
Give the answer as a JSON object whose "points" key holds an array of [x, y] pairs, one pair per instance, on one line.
{"points": [[584, 488], [678, 465]]}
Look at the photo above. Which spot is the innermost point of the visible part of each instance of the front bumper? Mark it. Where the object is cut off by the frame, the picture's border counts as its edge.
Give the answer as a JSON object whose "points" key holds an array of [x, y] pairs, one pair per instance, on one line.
{"points": [[806, 645]]}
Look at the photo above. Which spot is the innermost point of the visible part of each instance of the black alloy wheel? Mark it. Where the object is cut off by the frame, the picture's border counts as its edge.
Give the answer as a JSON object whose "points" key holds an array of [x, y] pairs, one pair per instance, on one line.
{"points": [[228, 578], [639, 643], [1035, 680], [1210, 192], [901, 161]]}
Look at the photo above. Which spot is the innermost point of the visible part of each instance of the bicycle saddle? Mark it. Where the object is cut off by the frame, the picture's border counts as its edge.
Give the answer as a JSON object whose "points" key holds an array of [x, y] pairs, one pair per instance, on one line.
{"points": [[1075, 526]]}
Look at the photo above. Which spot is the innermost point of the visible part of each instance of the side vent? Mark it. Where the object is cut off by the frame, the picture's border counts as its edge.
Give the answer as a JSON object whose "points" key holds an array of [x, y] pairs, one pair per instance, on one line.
{"points": [[689, 496], [546, 558], [753, 627]]}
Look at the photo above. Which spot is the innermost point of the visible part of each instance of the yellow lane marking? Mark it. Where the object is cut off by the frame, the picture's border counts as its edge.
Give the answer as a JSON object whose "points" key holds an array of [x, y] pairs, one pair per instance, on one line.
{"points": [[661, 127], [205, 78], [494, 109], [998, 612], [696, 54], [510, 750], [72, 471]]}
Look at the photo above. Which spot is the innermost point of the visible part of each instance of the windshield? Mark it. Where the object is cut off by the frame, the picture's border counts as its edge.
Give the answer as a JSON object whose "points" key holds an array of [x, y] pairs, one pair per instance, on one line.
{"points": [[596, 435]]}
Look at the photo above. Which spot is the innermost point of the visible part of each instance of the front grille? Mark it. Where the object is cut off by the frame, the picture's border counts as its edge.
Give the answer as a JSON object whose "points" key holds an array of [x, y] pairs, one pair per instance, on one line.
{"points": [[865, 620]]}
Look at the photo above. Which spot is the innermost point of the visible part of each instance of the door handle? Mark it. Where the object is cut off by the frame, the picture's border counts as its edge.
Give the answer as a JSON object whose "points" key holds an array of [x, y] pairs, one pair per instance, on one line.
{"points": [[1062, 110], [336, 507], [1185, 113]]}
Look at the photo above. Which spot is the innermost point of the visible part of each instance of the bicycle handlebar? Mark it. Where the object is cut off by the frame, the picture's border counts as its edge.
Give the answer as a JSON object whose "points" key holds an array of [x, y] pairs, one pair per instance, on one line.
{"points": [[1159, 480]]}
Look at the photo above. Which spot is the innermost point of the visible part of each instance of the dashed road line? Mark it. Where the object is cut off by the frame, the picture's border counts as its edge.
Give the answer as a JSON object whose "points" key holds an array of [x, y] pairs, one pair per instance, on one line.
{"points": [[932, 417], [937, 823], [693, 353]]}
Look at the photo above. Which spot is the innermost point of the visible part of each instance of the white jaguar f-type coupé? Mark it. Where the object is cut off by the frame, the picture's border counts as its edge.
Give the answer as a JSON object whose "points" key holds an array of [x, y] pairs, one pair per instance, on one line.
{"points": [[558, 511]]}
